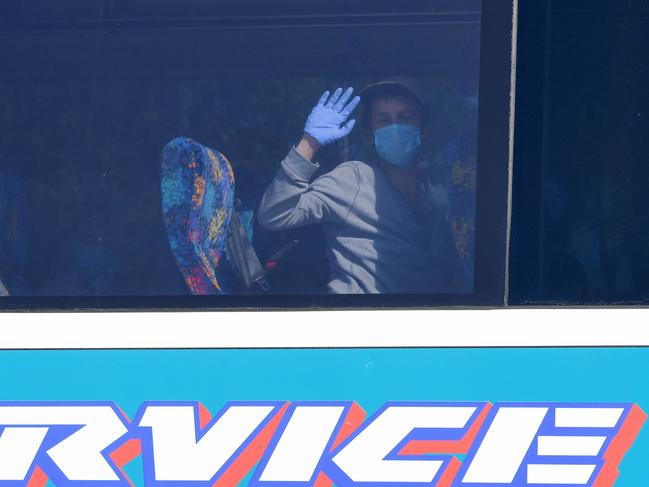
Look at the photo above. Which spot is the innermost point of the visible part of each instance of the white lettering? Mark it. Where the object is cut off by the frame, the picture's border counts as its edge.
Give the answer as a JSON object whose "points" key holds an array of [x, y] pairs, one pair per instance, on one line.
{"points": [[178, 455], [363, 459]]}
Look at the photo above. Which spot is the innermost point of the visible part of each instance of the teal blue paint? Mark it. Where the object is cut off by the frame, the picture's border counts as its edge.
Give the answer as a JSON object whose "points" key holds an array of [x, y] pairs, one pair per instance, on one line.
{"points": [[369, 377]]}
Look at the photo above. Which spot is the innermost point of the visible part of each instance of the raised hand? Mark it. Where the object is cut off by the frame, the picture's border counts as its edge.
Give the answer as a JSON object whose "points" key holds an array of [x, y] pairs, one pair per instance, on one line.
{"points": [[328, 120]]}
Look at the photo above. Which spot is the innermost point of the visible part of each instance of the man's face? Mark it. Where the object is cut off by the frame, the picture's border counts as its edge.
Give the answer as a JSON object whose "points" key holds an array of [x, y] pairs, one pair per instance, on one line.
{"points": [[398, 109]]}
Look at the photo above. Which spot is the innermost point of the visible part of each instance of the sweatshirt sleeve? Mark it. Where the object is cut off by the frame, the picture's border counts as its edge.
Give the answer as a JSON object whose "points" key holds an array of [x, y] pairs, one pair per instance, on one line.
{"points": [[292, 200]]}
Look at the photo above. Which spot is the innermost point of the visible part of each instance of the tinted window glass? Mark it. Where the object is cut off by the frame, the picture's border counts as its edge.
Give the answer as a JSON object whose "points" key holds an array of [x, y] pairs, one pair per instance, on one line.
{"points": [[580, 230], [93, 91]]}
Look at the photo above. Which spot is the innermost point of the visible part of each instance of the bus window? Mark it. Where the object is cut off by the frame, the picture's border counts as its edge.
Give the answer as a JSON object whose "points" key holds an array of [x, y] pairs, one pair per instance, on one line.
{"points": [[135, 133], [579, 200]]}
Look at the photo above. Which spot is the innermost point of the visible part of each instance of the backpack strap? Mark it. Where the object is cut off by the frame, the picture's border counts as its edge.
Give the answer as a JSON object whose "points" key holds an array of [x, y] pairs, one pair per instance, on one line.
{"points": [[3, 290], [243, 255]]}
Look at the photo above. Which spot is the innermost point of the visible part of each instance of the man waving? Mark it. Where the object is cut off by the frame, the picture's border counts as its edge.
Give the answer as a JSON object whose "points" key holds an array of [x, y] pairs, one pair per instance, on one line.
{"points": [[385, 232]]}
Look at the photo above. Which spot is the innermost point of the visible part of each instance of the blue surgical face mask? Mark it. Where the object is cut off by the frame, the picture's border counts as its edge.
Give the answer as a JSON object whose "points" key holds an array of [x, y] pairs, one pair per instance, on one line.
{"points": [[398, 144]]}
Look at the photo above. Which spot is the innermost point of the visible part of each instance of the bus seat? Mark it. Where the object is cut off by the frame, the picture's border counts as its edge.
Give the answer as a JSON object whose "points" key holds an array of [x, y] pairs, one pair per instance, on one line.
{"points": [[198, 188], [199, 204]]}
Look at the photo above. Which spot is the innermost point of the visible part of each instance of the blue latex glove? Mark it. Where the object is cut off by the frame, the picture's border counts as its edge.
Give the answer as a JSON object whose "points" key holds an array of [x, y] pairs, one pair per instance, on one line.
{"points": [[328, 120]]}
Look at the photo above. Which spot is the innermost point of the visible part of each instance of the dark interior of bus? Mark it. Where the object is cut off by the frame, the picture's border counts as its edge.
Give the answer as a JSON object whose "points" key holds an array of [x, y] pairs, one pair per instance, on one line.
{"points": [[91, 91], [580, 234]]}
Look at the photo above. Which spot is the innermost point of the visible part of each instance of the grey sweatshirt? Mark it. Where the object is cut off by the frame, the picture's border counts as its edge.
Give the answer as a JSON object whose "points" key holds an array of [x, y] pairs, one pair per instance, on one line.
{"points": [[376, 242]]}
